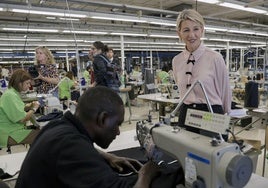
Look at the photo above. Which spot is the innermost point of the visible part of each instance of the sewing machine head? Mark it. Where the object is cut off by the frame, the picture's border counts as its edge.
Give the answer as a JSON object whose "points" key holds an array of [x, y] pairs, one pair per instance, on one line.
{"points": [[205, 165]]}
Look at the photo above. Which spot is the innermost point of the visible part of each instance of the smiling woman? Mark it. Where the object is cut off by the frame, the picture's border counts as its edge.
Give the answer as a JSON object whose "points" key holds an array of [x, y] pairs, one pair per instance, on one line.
{"points": [[199, 63]]}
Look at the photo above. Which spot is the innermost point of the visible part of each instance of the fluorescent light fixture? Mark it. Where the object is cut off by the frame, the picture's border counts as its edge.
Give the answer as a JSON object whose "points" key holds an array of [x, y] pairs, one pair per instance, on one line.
{"points": [[51, 18], [31, 30], [130, 34], [69, 19], [232, 5], [19, 39], [61, 14], [241, 41], [63, 40], [86, 32], [165, 23], [215, 28], [242, 31], [215, 39], [242, 7], [163, 36], [262, 34], [255, 10], [125, 19], [209, 1]]}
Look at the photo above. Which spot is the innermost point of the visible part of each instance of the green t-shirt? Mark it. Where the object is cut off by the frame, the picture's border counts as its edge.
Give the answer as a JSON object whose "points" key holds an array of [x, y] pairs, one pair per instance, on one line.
{"points": [[65, 88], [86, 75], [11, 112], [164, 77]]}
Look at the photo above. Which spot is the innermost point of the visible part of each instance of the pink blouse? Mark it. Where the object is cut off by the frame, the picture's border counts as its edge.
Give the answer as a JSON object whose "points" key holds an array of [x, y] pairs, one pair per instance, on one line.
{"points": [[210, 69]]}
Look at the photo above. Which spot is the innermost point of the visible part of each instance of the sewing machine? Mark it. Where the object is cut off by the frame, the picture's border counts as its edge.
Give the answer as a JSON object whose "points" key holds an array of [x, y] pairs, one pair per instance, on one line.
{"points": [[49, 103], [205, 165], [170, 89]]}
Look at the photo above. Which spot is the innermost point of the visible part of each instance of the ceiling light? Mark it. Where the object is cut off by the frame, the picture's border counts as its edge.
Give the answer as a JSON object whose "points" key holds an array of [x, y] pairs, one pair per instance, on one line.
{"points": [[215, 28], [242, 7], [62, 14], [163, 36], [163, 23], [86, 32], [215, 39], [209, 1], [63, 40], [242, 31], [31, 30], [130, 34], [51, 18], [19, 39], [119, 19], [70, 19]]}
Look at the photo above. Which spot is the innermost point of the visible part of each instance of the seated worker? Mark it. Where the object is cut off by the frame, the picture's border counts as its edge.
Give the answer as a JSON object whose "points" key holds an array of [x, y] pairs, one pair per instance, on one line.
{"points": [[66, 85], [63, 154], [162, 77], [14, 113], [87, 74]]}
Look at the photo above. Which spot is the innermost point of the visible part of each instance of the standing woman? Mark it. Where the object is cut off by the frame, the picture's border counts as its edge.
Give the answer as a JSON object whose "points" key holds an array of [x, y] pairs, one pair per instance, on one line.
{"points": [[105, 73], [14, 113], [198, 62], [48, 71]]}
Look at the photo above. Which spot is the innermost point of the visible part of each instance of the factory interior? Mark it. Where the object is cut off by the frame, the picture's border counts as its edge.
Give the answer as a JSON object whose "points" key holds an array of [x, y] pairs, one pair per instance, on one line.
{"points": [[143, 36]]}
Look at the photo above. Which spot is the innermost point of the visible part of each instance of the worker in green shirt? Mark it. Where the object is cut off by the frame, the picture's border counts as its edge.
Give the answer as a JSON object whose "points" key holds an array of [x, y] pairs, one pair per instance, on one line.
{"points": [[66, 85], [14, 113], [162, 77]]}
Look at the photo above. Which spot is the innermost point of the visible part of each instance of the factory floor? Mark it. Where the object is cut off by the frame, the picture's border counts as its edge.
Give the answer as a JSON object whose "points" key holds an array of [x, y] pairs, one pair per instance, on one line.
{"points": [[140, 112]]}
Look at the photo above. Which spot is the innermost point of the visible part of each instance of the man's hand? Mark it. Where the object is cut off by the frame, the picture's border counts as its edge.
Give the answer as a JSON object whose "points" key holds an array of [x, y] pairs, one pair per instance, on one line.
{"points": [[120, 162], [146, 174]]}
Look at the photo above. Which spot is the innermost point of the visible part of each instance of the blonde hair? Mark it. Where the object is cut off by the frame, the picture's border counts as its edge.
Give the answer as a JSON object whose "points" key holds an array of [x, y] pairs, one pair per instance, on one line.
{"points": [[47, 52], [189, 14]]}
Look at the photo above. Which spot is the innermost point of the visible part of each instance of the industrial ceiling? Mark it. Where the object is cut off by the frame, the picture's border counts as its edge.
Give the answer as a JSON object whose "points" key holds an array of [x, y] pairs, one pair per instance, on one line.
{"points": [[132, 25]]}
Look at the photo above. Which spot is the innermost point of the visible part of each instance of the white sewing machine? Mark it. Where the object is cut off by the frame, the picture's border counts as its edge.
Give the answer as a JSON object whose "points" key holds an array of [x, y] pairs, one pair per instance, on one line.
{"points": [[206, 164], [50, 103], [170, 89]]}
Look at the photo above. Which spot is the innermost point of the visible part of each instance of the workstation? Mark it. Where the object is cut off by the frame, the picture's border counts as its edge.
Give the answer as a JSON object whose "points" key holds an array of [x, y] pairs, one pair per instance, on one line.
{"points": [[213, 147]]}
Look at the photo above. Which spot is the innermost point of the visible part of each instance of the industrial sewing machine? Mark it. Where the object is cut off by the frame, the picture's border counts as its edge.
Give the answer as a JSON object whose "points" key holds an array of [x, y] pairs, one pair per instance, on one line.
{"points": [[171, 90], [207, 162]]}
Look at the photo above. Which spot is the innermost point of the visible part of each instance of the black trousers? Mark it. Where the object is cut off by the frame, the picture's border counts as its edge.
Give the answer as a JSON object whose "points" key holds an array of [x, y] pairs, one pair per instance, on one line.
{"points": [[203, 107]]}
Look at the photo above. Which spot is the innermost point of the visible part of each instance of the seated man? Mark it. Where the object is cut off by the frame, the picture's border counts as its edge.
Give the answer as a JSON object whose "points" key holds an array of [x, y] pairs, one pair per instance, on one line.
{"points": [[63, 154]]}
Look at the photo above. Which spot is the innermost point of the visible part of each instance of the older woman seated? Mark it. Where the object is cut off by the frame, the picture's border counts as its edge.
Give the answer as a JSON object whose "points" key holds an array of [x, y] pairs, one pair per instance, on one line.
{"points": [[14, 113]]}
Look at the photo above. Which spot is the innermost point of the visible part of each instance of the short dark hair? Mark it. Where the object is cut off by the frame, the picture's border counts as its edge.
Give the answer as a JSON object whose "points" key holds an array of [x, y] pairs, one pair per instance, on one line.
{"points": [[96, 100], [99, 46], [18, 76]]}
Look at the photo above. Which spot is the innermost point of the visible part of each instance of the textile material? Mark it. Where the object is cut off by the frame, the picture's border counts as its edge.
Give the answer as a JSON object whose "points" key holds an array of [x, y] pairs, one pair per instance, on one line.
{"points": [[210, 69], [11, 112], [171, 172], [251, 95], [50, 116]]}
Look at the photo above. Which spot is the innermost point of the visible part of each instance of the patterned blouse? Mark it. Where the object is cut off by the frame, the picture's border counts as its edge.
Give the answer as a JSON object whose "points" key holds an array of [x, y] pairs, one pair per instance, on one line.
{"points": [[51, 71]]}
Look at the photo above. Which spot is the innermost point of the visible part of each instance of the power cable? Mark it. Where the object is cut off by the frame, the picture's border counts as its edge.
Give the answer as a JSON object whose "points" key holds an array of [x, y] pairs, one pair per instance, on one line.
{"points": [[76, 47]]}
